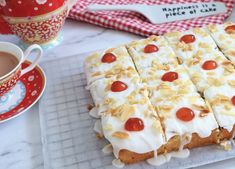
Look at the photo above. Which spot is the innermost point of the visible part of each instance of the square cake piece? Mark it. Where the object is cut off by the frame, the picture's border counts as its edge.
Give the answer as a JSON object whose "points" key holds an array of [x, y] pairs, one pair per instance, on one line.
{"points": [[224, 36], [143, 57], [107, 63], [188, 43]]}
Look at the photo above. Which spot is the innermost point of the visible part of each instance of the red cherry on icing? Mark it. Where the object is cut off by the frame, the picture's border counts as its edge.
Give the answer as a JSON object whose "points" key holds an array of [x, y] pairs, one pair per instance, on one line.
{"points": [[188, 38], [150, 48], [233, 100], [108, 58], [134, 124], [118, 86], [209, 65], [230, 29], [185, 114], [170, 76]]}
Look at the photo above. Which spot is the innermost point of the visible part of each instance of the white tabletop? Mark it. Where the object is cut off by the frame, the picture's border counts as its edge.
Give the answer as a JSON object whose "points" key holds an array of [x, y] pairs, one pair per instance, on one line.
{"points": [[20, 144]]}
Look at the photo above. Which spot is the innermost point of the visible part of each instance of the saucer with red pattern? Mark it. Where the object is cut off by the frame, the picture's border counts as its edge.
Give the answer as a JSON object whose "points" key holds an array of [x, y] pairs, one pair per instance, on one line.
{"points": [[24, 95]]}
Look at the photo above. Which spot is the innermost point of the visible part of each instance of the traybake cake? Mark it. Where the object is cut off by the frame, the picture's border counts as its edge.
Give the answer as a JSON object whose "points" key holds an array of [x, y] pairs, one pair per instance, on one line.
{"points": [[161, 96]]}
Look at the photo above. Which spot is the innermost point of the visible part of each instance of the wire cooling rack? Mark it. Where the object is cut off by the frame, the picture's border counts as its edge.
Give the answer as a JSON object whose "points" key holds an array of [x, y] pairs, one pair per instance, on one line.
{"points": [[69, 141]]}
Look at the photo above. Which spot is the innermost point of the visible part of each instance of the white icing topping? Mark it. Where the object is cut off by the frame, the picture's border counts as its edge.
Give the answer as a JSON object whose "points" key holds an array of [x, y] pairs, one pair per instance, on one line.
{"points": [[94, 113], [225, 118], [225, 41], [161, 159], [117, 163], [108, 149]]}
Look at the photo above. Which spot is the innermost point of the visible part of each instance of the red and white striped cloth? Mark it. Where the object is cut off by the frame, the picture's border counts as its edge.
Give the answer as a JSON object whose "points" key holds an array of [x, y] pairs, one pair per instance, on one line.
{"points": [[136, 23]]}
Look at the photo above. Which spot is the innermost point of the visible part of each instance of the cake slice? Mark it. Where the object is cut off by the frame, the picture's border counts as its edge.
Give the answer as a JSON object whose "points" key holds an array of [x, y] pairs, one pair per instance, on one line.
{"points": [[188, 43], [151, 51], [224, 36], [107, 63], [222, 101], [128, 119], [209, 69]]}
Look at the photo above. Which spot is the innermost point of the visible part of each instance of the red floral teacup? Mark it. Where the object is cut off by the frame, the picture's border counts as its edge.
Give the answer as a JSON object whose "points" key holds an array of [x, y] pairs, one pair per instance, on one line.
{"points": [[9, 80]]}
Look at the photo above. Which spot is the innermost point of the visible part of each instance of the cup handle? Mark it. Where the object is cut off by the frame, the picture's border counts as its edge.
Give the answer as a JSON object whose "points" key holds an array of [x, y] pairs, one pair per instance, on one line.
{"points": [[28, 51]]}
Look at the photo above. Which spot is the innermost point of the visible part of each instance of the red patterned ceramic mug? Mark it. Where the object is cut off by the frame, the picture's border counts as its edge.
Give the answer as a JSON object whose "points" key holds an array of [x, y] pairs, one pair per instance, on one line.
{"points": [[9, 80]]}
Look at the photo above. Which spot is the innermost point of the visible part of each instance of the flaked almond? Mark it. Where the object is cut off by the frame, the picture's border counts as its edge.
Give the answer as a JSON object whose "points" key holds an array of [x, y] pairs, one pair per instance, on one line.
{"points": [[228, 66], [222, 37], [108, 127], [210, 73], [199, 107], [196, 79], [231, 53], [227, 106], [164, 67], [212, 28], [231, 83], [180, 61], [163, 86], [172, 34], [96, 74], [183, 90], [220, 99], [223, 98], [214, 82], [165, 108], [110, 50], [202, 114], [185, 47], [146, 113], [200, 31], [168, 92], [120, 135], [157, 126], [203, 45], [175, 98], [124, 111]]}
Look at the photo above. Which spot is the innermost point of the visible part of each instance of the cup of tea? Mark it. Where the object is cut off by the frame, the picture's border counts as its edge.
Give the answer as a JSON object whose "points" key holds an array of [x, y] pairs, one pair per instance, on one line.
{"points": [[11, 58]]}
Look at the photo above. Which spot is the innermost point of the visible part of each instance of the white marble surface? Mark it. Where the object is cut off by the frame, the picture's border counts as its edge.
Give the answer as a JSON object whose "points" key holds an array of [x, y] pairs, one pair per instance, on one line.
{"points": [[20, 143]]}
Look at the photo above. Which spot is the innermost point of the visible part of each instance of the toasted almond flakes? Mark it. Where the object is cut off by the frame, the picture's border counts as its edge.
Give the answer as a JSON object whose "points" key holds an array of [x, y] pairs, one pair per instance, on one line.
{"points": [[120, 135], [231, 83]]}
